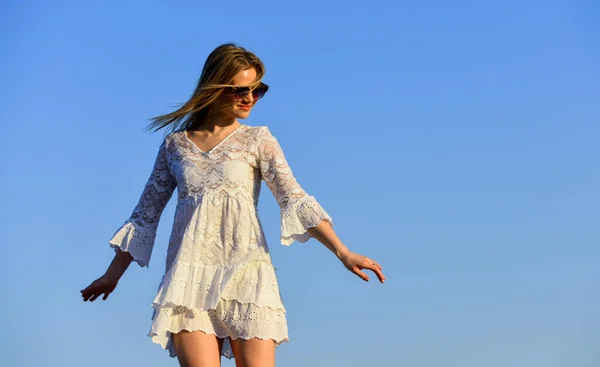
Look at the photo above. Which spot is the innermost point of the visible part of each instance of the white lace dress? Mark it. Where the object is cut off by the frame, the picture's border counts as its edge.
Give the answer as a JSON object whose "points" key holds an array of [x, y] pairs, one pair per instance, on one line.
{"points": [[219, 277]]}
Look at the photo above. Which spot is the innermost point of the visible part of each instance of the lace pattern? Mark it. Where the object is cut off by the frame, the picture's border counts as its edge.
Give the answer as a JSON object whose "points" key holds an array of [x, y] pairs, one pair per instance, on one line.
{"points": [[228, 320], [299, 211], [137, 242], [138, 233], [218, 272], [202, 287]]}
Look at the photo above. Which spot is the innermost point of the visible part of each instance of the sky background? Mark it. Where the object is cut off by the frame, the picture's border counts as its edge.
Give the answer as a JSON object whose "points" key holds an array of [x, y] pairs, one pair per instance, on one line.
{"points": [[456, 143]]}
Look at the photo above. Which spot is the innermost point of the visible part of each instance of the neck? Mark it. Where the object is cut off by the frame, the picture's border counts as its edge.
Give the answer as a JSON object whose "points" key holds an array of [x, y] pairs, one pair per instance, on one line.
{"points": [[215, 122]]}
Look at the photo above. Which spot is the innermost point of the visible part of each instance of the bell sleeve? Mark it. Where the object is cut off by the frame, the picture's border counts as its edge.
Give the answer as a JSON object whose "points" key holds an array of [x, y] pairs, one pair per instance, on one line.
{"points": [[299, 211], [138, 233]]}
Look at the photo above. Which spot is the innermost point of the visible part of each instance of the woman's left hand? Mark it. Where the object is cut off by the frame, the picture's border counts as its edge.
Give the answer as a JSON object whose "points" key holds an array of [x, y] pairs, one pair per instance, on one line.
{"points": [[356, 263]]}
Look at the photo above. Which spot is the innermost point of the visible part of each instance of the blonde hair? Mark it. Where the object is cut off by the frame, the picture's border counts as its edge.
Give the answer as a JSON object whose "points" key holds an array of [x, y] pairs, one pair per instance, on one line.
{"points": [[221, 66]]}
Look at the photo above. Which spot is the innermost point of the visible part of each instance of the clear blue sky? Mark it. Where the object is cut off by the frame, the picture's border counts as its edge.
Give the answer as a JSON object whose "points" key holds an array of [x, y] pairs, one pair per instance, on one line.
{"points": [[455, 142]]}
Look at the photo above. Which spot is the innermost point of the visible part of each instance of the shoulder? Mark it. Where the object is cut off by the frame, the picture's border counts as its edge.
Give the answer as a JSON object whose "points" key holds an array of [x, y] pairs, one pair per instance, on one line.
{"points": [[171, 140], [260, 132], [174, 134]]}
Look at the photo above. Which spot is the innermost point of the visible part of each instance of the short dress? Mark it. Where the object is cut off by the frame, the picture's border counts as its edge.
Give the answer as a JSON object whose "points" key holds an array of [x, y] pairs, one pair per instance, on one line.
{"points": [[219, 277]]}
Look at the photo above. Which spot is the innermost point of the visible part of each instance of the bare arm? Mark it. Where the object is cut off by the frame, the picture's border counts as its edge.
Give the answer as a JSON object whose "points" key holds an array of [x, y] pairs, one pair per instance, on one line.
{"points": [[325, 234], [118, 266], [107, 283], [302, 216]]}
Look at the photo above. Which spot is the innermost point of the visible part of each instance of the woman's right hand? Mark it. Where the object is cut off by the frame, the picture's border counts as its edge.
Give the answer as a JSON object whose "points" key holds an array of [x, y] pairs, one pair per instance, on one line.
{"points": [[103, 285]]}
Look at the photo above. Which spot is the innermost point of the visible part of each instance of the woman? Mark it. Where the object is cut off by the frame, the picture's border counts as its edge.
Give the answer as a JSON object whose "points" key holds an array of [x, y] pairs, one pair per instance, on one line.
{"points": [[219, 295]]}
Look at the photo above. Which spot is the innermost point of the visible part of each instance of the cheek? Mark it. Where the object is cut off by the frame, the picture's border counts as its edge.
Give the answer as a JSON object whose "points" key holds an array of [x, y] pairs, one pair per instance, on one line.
{"points": [[224, 103]]}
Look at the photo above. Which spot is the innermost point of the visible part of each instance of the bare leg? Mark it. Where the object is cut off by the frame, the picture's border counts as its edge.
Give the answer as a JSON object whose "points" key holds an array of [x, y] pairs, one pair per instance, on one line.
{"points": [[254, 352], [197, 349]]}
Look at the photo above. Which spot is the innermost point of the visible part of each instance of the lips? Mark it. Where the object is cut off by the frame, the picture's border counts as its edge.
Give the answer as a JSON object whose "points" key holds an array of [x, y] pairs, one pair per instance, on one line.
{"points": [[245, 108]]}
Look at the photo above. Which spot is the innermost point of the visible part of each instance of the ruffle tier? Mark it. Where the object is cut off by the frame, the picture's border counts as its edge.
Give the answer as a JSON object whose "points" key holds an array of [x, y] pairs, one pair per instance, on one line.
{"points": [[236, 301], [300, 215], [201, 287], [137, 241], [229, 320]]}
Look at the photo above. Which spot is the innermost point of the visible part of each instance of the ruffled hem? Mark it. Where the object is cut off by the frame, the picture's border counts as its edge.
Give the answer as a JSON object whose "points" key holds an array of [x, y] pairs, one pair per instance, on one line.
{"points": [[298, 217], [202, 287], [138, 242], [228, 320]]}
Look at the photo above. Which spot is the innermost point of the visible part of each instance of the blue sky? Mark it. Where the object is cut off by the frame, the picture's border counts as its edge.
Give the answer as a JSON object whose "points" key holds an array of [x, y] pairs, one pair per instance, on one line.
{"points": [[457, 143]]}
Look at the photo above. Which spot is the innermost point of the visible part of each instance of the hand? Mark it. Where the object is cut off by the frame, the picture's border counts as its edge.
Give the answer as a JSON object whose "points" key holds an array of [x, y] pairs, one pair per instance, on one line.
{"points": [[355, 263], [103, 285]]}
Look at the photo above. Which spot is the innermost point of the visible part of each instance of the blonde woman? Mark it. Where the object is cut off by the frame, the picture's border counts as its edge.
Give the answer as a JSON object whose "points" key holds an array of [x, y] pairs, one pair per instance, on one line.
{"points": [[219, 295]]}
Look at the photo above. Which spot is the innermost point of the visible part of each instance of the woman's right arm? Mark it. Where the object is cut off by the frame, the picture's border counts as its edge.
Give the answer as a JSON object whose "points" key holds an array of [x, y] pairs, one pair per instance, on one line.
{"points": [[118, 265], [134, 240], [107, 282]]}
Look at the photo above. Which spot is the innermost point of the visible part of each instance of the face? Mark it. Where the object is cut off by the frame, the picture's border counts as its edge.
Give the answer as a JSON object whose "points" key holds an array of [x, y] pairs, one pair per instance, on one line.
{"points": [[239, 106]]}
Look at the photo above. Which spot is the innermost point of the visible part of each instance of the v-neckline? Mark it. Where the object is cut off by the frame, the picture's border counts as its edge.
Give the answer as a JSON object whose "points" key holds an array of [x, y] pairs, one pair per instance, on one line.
{"points": [[185, 135]]}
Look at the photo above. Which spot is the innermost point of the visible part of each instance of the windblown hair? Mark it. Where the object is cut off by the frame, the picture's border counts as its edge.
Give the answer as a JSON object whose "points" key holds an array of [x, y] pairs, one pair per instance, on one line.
{"points": [[220, 68]]}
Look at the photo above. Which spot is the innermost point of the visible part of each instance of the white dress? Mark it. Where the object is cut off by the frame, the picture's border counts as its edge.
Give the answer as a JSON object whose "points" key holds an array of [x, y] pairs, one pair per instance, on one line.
{"points": [[219, 277]]}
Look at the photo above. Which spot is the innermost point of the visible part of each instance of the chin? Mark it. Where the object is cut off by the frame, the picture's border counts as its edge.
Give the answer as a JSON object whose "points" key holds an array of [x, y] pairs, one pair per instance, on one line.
{"points": [[242, 114]]}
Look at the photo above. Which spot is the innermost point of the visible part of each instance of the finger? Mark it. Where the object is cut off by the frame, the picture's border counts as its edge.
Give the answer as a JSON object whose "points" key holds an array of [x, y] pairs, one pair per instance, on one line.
{"points": [[361, 274], [95, 296], [374, 267], [87, 290], [372, 264], [86, 296], [379, 274], [105, 296], [376, 264]]}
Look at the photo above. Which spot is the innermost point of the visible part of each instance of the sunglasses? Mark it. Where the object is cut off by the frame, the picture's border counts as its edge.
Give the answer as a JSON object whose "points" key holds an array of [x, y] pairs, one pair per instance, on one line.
{"points": [[240, 93]]}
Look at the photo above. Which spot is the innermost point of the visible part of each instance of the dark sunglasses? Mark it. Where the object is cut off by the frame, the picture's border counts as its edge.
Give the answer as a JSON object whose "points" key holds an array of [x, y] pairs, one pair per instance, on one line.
{"points": [[240, 93]]}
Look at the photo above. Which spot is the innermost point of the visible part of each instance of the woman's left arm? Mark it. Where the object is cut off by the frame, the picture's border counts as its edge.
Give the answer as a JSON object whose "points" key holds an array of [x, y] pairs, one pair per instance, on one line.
{"points": [[325, 234], [302, 216]]}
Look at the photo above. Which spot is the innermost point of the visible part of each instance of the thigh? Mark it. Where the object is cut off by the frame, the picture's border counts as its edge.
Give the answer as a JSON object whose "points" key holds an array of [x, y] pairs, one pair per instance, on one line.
{"points": [[254, 352], [197, 349]]}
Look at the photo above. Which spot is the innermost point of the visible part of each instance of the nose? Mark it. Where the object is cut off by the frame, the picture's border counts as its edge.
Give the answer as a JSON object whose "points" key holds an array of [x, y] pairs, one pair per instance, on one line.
{"points": [[249, 98]]}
